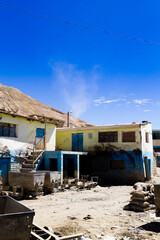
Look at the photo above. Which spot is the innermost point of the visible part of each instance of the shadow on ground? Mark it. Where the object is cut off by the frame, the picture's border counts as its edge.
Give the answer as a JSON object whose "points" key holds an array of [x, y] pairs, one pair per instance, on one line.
{"points": [[152, 227]]}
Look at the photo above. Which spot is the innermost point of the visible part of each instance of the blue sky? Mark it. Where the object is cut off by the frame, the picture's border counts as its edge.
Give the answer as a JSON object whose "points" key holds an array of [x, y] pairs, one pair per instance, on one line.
{"points": [[104, 79]]}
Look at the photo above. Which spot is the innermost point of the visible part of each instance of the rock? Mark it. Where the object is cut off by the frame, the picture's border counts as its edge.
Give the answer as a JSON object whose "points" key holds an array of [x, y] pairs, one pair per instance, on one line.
{"points": [[107, 237], [88, 217], [98, 236], [115, 227], [71, 217], [85, 238]]}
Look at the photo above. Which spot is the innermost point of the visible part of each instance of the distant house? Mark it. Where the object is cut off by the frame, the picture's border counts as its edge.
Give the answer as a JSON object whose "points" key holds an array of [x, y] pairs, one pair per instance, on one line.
{"points": [[156, 145], [117, 152]]}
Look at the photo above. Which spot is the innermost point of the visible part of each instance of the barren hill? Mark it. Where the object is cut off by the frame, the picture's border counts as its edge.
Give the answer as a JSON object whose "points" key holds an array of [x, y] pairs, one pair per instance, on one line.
{"points": [[13, 101]]}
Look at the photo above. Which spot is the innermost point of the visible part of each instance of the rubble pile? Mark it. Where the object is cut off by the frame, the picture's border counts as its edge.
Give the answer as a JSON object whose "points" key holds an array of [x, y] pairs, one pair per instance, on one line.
{"points": [[142, 197], [157, 198]]}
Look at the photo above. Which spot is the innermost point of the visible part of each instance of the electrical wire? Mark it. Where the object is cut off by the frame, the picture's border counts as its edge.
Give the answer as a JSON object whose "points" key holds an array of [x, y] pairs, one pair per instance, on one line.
{"points": [[76, 24]]}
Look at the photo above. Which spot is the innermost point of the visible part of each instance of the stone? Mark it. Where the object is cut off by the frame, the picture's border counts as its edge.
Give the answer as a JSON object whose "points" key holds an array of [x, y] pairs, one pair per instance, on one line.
{"points": [[107, 237], [88, 217]]}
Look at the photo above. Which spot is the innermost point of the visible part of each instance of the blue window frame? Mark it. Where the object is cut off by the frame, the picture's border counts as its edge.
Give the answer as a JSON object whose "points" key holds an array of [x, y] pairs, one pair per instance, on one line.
{"points": [[7, 130], [40, 132]]}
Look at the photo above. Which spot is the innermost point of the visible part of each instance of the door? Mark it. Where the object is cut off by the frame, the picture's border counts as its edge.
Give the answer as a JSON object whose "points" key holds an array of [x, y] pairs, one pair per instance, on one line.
{"points": [[70, 167], [147, 163], [4, 169], [77, 142], [39, 135]]}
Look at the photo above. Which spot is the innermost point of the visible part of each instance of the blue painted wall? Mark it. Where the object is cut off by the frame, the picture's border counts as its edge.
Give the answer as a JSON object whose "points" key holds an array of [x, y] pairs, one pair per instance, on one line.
{"points": [[4, 168], [134, 167]]}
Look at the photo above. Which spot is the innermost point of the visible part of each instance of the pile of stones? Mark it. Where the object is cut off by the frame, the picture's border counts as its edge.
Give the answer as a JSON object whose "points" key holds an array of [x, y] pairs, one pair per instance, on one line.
{"points": [[157, 199], [142, 197]]}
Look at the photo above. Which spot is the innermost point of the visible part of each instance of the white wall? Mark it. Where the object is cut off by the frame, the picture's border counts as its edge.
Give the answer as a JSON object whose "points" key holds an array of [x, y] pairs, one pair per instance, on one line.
{"points": [[147, 128], [26, 133]]}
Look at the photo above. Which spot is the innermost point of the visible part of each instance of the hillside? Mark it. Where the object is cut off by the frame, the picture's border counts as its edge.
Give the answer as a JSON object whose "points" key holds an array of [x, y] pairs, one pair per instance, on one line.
{"points": [[15, 102]]}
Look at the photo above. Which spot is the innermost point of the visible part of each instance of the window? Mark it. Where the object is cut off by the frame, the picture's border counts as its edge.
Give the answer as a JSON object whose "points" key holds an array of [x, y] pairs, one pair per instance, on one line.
{"points": [[117, 164], [39, 132], [147, 137], [89, 135], [128, 137], [108, 136], [7, 130], [156, 149], [156, 135]]}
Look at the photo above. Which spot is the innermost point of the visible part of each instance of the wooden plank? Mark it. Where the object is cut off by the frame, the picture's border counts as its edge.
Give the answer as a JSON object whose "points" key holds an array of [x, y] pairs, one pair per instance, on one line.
{"points": [[36, 236], [45, 230], [78, 235]]}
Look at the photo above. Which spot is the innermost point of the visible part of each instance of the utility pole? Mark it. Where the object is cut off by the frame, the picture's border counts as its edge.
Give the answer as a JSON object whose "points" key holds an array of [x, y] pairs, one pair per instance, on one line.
{"points": [[68, 118]]}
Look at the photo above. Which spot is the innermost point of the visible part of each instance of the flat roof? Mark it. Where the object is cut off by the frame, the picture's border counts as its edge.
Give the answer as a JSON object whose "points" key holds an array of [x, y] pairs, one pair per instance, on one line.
{"points": [[128, 125]]}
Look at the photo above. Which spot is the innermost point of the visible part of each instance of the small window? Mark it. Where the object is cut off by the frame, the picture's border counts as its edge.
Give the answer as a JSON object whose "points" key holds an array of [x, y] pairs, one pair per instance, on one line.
{"points": [[40, 132], [7, 130], [117, 164], [156, 149], [128, 137], [147, 137], [156, 135], [108, 136], [89, 135]]}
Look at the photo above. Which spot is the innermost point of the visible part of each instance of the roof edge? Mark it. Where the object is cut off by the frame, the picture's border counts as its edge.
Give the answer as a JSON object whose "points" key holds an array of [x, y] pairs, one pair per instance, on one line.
{"points": [[33, 118]]}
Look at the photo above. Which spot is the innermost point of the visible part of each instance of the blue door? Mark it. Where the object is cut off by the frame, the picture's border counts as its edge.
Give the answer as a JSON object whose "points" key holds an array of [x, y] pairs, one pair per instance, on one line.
{"points": [[77, 142], [40, 134], [4, 169]]}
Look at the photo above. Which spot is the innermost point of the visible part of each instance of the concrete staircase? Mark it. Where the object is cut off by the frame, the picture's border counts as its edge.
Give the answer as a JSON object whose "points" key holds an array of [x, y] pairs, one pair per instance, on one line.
{"points": [[31, 161]]}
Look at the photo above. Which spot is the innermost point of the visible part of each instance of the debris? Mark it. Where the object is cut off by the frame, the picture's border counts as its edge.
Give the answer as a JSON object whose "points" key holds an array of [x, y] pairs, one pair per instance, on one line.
{"points": [[106, 237], [142, 198], [114, 227], [84, 238], [72, 217], [88, 217], [157, 199]]}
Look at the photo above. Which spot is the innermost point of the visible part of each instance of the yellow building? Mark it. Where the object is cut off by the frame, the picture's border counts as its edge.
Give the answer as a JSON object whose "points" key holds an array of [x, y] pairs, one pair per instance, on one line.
{"points": [[123, 151]]}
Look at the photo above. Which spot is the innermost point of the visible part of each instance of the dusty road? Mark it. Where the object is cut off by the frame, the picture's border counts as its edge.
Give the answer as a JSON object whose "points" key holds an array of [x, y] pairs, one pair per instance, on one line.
{"points": [[65, 213]]}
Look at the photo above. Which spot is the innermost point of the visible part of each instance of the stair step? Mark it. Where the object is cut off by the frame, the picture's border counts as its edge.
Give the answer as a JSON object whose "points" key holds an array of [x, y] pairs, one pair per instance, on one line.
{"points": [[36, 153], [26, 169], [25, 165], [29, 161], [31, 157]]}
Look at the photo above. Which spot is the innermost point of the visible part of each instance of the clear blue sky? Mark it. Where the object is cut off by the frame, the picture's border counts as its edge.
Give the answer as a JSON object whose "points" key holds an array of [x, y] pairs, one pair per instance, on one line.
{"points": [[104, 79]]}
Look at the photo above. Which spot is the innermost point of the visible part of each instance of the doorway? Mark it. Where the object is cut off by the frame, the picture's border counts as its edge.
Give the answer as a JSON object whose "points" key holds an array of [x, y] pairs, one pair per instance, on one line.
{"points": [[39, 136], [53, 164], [70, 168], [77, 142]]}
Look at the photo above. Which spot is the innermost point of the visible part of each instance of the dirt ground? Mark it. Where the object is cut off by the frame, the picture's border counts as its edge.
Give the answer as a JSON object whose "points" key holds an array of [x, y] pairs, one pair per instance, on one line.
{"points": [[65, 213]]}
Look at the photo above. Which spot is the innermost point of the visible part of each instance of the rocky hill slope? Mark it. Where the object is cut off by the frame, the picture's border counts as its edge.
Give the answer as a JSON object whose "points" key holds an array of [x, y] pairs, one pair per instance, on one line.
{"points": [[13, 101]]}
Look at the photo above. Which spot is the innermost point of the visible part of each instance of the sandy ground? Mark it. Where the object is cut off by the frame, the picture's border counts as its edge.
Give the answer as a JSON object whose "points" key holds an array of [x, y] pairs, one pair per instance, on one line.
{"points": [[65, 212]]}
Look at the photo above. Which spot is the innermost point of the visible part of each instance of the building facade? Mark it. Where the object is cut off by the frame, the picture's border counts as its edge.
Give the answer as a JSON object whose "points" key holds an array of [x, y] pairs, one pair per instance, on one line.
{"points": [[123, 152], [20, 133], [156, 145], [18, 136]]}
